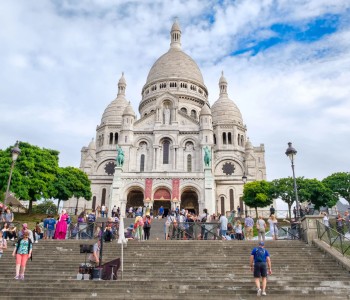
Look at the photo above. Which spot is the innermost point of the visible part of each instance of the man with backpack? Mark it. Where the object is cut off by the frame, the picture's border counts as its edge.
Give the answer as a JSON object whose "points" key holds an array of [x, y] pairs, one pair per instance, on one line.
{"points": [[260, 263]]}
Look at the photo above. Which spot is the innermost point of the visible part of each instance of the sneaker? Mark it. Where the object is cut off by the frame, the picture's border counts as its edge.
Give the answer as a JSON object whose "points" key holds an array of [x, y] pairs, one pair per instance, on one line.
{"points": [[21, 277], [16, 277], [12, 239], [263, 293], [258, 293], [36, 242]]}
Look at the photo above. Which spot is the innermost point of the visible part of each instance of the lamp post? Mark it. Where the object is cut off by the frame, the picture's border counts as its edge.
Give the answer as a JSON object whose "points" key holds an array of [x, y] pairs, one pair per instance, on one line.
{"points": [[15, 151], [244, 179], [291, 153]]}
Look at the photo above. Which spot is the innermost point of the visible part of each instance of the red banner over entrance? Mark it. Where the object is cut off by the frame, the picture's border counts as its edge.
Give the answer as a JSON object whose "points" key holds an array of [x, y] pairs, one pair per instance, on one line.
{"points": [[161, 194], [176, 189], [148, 189]]}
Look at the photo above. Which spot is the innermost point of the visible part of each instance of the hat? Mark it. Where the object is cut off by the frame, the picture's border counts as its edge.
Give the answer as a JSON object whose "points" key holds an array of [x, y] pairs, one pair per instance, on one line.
{"points": [[261, 244], [25, 225]]}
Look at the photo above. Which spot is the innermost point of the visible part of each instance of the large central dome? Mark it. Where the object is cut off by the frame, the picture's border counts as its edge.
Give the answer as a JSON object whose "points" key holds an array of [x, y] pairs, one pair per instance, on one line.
{"points": [[175, 64]]}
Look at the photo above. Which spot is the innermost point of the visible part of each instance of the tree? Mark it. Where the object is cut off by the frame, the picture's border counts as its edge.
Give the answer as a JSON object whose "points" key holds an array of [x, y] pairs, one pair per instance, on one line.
{"points": [[46, 207], [317, 193], [33, 174], [71, 182], [339, 183], [258, 194], [284, 188]]}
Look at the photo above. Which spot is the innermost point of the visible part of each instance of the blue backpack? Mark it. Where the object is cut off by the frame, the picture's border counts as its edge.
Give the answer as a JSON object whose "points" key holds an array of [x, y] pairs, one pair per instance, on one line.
{"points": [[260, 255]]}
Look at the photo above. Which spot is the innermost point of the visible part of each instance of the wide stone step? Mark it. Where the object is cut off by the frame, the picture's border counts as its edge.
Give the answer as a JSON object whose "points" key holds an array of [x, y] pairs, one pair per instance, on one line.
{"points": [[177, 270]]}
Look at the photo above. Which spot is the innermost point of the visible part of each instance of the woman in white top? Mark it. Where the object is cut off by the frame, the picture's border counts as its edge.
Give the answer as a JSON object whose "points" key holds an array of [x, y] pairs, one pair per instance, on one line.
{"points": [[273, 227], [325, 220]]}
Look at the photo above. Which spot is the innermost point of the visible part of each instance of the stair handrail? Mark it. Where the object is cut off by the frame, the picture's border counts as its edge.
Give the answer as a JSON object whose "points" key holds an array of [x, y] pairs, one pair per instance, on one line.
{"points": [[332, 237], [90, 230], [194, 230]]}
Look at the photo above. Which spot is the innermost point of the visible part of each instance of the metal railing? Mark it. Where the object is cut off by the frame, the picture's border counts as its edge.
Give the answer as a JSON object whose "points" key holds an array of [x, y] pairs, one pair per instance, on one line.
{"points": [[334, 239], [292, 232], [93, 230], [194, 231]]}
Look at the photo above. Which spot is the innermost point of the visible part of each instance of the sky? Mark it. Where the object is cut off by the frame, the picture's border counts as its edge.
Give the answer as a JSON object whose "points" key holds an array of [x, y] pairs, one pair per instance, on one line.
{"points": [[287, 64]]}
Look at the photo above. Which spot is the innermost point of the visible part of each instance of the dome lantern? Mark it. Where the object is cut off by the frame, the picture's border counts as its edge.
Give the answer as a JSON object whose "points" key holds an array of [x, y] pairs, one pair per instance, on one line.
{"points": [[121, 85], [223, 84], [175, 35]]}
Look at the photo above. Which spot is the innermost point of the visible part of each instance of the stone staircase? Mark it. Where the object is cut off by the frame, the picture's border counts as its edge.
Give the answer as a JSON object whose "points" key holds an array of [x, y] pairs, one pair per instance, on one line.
{"points": [[159, 269]]}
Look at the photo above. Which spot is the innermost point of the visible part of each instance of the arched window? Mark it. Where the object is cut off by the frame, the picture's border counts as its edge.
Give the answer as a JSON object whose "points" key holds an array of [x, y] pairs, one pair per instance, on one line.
{"points": [[93, 202], [193, 114], [214, 139], [232, 204], [239, 140], [184, 110], [116, 138], [111, 138], [189, 163], [222, 205], [242, 140], [142, 163], [103, 199], [224, 138], [229, 138], [166, 148], [126, 139]]}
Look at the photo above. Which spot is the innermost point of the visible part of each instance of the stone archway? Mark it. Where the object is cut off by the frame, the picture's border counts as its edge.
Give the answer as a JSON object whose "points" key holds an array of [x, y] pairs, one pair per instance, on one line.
{"points": [[162, 197], [135, 199], [189, 201]]}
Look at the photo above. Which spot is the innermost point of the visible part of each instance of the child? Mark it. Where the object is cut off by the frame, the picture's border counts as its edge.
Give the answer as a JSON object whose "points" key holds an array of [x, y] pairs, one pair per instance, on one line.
{"points": [[3, 244]]}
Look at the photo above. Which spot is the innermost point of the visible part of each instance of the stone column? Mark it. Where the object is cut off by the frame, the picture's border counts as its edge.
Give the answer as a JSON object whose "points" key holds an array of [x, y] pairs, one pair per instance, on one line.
{"points": [[309, 227], [209, 192], [116, 191]]}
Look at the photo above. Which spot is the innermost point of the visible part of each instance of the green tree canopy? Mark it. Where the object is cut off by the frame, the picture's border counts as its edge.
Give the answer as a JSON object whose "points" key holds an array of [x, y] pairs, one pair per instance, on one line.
{"points": [[339, 183], [317, 193], [284, 188], [34, 172], [258, 194], [71, 182]]}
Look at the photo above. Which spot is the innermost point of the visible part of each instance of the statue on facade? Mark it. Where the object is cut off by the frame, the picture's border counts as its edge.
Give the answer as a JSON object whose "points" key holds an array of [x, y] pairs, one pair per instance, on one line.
{"points": [[120, 157], [207, 156], [166, 115]]}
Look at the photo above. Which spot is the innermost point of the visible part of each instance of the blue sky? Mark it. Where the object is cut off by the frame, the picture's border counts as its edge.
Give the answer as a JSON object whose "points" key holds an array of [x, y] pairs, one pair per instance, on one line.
{"points": [[287, 64], [306, 31]]}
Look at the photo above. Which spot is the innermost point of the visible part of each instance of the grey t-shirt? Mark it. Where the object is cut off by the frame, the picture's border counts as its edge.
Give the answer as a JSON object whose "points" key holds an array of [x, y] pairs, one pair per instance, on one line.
{"points": [[260, 223]]}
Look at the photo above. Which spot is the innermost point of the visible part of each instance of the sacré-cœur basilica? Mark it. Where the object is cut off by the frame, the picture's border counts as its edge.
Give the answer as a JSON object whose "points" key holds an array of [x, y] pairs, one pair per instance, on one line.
{"points": [[164, 149]]}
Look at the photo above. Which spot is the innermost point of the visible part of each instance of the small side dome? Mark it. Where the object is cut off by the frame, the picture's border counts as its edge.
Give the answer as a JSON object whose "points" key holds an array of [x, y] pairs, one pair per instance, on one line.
{"points": [[113, 112], [92, 145], [248, 145], [205, 110], [224, 110], [129, 111]]}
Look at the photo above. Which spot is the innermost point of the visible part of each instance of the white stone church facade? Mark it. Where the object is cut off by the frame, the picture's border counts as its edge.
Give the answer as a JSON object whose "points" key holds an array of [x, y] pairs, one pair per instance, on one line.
{"points": [[164, 148]]}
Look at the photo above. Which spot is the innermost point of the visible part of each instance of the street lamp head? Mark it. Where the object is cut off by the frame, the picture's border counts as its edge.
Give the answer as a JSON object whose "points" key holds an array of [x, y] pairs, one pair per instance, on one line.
{"points": [[15, 152], [244, 178], [291, 152]]}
